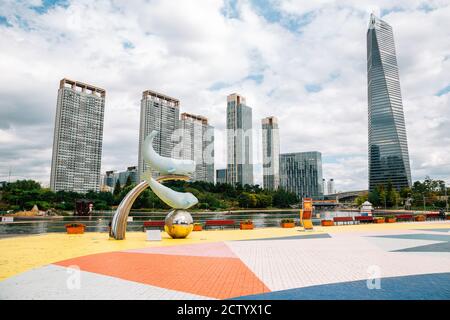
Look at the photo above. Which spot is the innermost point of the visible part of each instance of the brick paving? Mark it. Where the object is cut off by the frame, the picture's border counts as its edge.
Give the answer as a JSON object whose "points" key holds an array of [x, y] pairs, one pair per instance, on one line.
{"points": [[412, 261]]}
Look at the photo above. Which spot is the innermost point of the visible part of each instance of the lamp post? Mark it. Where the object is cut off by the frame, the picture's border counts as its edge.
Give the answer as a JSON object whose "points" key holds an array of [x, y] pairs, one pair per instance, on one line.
{"points": [[423, 202], [446, 199]]}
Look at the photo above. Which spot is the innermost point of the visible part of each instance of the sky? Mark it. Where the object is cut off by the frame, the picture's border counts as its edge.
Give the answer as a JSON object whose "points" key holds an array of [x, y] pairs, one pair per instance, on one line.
{"points": [[302, 61]]}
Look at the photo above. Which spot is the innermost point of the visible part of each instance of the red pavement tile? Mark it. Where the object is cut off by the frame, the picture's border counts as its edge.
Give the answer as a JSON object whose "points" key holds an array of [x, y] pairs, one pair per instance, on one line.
{"points": [[213, 249], [214, 277]]}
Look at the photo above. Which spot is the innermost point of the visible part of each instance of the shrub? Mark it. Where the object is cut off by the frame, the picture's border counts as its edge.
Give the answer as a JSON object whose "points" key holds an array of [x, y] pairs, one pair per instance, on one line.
{"points": [[287, 220]]}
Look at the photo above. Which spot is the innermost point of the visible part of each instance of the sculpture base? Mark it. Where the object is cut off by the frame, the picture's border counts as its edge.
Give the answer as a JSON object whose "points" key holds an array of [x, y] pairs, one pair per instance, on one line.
{"points": [[179, 223]]}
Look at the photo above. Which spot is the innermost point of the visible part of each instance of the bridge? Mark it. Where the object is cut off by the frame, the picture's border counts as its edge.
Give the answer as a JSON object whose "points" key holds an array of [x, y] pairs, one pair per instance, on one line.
{"points": [[347, 196]]}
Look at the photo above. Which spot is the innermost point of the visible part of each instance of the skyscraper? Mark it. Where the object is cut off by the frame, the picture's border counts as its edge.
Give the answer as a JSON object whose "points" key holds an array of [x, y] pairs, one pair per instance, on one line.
{"points": [[239, 141], [78, 136], [388, 147], [331, 187], [161, 113], [198, 145], [271, 153], [301, 173], [324, 187]]}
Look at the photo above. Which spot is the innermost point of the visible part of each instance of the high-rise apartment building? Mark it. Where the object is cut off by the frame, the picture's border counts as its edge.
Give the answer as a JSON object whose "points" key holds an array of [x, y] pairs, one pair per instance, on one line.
{"points": [[271, 153], [161, 113], [331, 187], [78, 136], [239, 141], [301, 173], [198, 145], [388, 147]]}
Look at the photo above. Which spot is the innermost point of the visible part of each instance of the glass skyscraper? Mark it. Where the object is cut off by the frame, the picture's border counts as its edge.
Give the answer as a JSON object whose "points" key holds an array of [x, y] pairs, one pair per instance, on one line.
{"points": [[301, 173], [388, 147]]}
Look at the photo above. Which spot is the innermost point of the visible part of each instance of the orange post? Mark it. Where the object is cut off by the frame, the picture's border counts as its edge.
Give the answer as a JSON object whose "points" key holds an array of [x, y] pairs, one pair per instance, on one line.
{"points": [[306, 214]]}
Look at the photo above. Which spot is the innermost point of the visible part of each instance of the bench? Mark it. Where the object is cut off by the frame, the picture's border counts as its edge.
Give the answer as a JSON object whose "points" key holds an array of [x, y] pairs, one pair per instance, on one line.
{"points": [[364, 219], [434, 216], [344, 220], [154, 223], [405, 217], [220, 223]]}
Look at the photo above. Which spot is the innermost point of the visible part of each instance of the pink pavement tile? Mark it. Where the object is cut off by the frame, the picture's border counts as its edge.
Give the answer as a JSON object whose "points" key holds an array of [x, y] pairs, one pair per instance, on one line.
{"points": [[213, 249]]}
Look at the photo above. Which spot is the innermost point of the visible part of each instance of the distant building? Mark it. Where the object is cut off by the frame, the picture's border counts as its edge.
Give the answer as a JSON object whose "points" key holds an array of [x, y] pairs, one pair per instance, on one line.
{"points": [[388, 146], [198, 145], [111, 177], [301, 173], [161, 113], [271, 153], [221, 176], [239, 141], [131, 172], [78, 136], [324, 187], [331, 188]]}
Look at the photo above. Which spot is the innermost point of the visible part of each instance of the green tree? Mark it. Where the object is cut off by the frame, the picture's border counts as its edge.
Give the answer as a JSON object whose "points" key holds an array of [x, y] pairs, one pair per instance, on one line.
{"points": [[128, 182], [117, 189]]}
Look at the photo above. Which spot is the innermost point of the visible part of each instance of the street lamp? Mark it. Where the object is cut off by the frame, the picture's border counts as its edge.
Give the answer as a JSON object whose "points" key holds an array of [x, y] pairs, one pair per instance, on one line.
{"points": [[423, 202]]}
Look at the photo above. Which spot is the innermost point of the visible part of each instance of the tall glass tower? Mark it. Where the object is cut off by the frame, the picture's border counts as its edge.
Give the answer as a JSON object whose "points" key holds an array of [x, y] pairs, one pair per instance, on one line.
{"points": [[388, 147]]}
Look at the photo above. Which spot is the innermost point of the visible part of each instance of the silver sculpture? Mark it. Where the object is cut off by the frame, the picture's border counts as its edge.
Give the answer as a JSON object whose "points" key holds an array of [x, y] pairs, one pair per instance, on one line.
{"points": [[178, 223]]}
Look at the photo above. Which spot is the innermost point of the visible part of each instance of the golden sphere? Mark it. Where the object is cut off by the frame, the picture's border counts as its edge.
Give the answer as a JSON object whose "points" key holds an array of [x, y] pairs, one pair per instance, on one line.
{"points": [[179, 223]]}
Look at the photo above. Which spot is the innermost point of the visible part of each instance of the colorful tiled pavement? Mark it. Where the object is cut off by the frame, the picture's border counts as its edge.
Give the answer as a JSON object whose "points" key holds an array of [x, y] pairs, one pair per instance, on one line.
{"points": [[412, 261]]}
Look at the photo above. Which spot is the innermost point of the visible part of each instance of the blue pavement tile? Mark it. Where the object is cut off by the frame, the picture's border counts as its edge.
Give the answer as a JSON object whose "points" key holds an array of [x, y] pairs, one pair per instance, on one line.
{"points": [[418, 236], [445, 230], [435, 247], [417, 287], [308, 236]]}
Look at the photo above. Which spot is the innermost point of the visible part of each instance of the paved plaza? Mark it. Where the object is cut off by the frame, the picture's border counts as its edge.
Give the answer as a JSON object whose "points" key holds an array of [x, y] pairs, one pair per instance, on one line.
{"points": [[370, 261]]}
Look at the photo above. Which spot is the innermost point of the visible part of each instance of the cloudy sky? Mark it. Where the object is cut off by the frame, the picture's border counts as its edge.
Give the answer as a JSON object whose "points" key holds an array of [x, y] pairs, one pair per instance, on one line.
{"points": [[302, 61]]}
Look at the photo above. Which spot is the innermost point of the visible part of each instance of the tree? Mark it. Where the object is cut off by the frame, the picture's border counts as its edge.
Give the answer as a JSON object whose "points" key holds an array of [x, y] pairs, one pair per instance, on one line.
{"points": [[284, 199], [361, 199], [264, 200], [128, 182]]}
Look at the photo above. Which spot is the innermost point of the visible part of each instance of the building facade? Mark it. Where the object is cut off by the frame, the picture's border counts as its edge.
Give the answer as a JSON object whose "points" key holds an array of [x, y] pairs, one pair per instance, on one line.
{"points": [[388, 147], [161, 113], [78, 137], [331, 188], [221, 176], [198, 145], [271, 153], [239, 141], [301, 173], [131, 172]]}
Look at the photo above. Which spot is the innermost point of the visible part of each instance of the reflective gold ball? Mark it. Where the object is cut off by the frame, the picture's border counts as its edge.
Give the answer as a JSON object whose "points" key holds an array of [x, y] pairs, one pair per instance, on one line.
{"points": [[179, 223]]}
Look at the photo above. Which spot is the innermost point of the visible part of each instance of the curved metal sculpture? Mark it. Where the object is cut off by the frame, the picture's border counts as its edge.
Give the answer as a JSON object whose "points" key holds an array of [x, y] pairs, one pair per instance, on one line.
{"points": [[163, 164], [178, 223]]}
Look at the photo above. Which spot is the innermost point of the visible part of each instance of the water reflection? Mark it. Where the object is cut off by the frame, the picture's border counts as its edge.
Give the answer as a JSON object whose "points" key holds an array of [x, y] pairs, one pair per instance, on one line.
{"points": [[100, 221]]}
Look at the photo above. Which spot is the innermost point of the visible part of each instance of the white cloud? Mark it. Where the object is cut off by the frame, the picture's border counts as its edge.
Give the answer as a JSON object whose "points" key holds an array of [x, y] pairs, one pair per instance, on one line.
{"points": [[184, 48]]}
